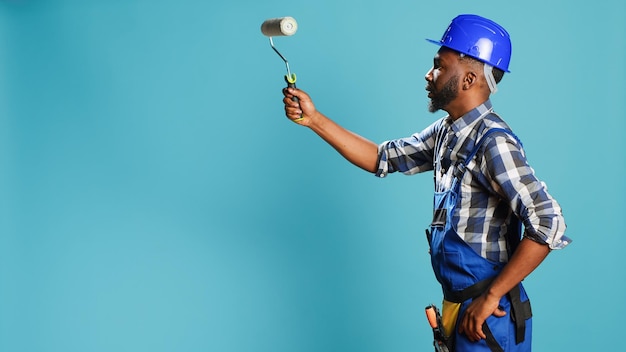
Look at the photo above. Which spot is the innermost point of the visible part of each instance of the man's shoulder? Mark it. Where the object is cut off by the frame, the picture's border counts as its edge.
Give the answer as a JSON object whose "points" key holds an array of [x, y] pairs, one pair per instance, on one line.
{"points": [[493, 120]]}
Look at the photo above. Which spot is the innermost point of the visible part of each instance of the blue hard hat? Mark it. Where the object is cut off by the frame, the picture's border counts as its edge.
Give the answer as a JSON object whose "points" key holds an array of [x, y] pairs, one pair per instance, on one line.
{"points": [[480, 38]]}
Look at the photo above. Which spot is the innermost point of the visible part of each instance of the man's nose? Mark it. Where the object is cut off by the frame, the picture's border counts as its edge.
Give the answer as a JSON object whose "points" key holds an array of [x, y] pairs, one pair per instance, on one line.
{"points": [[429, 75]]}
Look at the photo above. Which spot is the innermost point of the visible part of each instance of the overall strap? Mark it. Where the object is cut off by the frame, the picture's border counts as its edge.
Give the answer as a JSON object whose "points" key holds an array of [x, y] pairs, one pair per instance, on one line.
{"points": [[516, 225], [484, 137], [470, 292], [461, 166], [520, 312]]}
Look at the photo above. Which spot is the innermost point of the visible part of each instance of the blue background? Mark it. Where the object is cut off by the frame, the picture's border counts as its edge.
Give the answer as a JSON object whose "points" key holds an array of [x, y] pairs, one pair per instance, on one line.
{"points": [[153, 197]]}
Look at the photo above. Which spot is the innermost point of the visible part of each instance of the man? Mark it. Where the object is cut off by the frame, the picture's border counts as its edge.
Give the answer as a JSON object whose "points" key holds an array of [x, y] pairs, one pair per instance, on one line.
{"points": [[484, 189]]}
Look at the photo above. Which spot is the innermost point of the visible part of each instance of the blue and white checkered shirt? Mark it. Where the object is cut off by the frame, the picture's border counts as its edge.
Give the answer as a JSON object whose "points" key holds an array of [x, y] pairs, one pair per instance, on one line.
{"points": [[497, 185]]}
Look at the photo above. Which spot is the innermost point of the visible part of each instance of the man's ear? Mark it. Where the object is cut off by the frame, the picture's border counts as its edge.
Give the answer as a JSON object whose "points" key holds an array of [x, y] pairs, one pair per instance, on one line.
{"points": [[469, 80]]}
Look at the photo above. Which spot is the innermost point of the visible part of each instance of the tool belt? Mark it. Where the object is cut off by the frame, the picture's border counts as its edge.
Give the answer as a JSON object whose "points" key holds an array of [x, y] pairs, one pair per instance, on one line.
{"points": [[520, 312]]}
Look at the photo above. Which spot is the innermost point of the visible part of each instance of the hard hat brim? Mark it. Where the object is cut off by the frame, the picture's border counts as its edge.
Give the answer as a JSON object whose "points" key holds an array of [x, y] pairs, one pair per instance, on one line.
{"points": [[438, 42]]}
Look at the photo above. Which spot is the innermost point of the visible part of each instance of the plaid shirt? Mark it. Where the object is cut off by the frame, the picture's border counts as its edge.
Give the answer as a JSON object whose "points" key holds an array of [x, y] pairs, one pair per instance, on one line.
{"points": [[497, 185]]}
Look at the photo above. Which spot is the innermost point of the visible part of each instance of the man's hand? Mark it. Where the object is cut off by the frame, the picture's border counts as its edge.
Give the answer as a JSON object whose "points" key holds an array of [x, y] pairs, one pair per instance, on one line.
{"points": [[528, 255], [475, 315], [299, 111]]}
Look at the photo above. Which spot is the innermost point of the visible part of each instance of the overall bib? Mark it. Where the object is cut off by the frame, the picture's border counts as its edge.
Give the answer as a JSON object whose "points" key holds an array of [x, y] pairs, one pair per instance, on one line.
{"points": [[464, 275]]}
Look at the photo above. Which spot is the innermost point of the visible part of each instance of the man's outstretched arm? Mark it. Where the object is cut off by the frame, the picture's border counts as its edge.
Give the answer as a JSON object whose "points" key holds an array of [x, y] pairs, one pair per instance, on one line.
{"points": [[356, 149]]}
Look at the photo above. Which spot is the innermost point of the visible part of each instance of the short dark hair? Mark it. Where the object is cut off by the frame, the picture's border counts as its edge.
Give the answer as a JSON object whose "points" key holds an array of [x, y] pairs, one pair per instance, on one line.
{"points": [[497, 74]]}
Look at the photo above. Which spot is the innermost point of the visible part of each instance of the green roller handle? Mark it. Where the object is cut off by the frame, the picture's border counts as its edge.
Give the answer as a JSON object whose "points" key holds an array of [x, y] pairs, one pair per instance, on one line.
{"points": [[291, 83]]}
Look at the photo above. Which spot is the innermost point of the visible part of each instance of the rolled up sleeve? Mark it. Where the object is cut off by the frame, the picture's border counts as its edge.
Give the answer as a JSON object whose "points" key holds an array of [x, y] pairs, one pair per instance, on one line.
{"points": [[514, 179], [408, 155]]}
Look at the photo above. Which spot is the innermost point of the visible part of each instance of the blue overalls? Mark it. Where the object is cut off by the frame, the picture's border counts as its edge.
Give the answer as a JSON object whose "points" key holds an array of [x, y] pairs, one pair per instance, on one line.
{"points": [[464, 275]]}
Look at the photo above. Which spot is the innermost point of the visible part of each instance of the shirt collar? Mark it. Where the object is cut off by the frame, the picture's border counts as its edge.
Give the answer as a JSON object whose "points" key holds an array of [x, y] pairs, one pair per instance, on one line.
{"points": [[469, 117]]}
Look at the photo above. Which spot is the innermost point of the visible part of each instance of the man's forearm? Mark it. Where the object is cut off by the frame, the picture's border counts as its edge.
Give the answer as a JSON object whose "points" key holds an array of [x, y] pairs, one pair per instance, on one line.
{"points": [[356, 149], [527, 257]]}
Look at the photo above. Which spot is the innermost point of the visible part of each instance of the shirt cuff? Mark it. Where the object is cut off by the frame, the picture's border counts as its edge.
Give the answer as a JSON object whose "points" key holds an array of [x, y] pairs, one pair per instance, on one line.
{"points": [[383, 165]]}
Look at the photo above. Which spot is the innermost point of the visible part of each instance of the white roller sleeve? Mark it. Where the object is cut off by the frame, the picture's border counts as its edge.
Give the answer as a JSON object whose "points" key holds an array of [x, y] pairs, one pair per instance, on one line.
{"points": [[279, 26]]}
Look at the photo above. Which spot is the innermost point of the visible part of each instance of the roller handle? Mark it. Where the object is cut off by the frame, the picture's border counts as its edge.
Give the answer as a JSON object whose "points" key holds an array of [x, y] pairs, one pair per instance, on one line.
{"points": [[291, 83]]}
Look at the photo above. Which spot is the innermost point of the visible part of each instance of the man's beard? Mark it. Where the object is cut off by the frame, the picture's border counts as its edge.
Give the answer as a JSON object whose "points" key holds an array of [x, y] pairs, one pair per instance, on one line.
{"points": [[443, 97]]}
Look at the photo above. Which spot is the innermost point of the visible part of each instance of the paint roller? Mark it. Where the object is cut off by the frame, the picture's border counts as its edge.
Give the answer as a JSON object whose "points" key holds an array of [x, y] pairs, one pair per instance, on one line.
{"points": [[281, 26]]}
